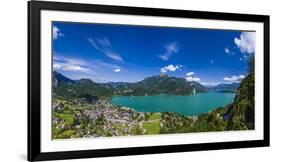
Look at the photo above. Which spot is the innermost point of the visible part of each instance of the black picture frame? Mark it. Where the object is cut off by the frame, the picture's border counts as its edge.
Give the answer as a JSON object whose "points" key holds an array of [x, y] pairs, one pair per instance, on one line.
{"points": [[34, 81]]}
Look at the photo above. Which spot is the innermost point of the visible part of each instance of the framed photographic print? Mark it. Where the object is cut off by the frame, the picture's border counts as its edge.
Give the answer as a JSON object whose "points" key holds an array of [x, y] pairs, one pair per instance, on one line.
{"points": [[114, 81]]}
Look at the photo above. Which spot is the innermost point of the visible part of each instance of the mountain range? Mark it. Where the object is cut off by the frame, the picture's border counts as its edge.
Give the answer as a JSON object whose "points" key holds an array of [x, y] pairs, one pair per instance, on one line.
{"points": [[226, 88], [158, 84]]}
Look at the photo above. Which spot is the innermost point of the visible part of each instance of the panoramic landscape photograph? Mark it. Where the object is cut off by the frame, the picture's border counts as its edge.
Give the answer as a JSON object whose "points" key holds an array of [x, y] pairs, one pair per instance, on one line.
{"points": [[113, 80]]}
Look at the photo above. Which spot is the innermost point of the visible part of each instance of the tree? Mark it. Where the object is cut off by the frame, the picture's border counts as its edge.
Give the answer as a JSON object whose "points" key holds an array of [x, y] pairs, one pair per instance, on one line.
{"points": [[251, 64], [139, 130], [147, 116]]}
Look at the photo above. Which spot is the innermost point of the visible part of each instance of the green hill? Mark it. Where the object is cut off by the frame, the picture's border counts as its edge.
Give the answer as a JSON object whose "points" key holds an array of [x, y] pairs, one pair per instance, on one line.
{"points": [[81, 88], [70, 89], [242, 111], [160, 85], [59, 80]]}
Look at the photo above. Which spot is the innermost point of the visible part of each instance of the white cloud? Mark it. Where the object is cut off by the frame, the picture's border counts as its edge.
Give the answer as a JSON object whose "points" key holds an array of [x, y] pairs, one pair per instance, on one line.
{"points": [[113, 55], [171, 49], [73, 61], [102, 67], [193, 79], [210, 84], [229, 52], [170, 68], [104, 42], [226, 50], [104, 46], [234, 78], [57, 33], [57, 66], [189, 73], [117, 70], [244, 58], [69, 67], [246, 42], [163, 70], [69, 64], [190, 77]]}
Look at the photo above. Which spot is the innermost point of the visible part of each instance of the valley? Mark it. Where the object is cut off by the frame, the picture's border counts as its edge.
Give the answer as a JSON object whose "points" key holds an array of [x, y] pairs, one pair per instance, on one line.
{"points": [[83, 108]]}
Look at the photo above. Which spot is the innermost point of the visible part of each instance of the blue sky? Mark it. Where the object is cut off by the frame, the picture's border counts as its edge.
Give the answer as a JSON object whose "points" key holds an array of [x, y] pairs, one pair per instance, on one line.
{"points": [[106, 53]]}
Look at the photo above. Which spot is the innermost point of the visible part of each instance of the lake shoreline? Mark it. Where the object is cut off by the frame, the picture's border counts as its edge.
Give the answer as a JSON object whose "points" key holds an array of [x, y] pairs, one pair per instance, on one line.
{"points": [[188, 105]]}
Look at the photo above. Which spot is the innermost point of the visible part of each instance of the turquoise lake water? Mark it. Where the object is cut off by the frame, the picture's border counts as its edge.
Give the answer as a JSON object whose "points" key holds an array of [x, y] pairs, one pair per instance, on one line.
{"points": [[186, 105]]}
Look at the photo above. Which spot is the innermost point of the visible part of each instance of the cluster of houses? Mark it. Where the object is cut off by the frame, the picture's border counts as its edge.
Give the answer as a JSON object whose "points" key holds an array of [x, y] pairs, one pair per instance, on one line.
{"points": [[118, 120], [122, 117]]}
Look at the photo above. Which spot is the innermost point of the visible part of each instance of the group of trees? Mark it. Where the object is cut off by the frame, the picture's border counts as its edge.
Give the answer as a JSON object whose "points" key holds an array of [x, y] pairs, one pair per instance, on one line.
{"points": [[212, 121], [242, 111]]}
